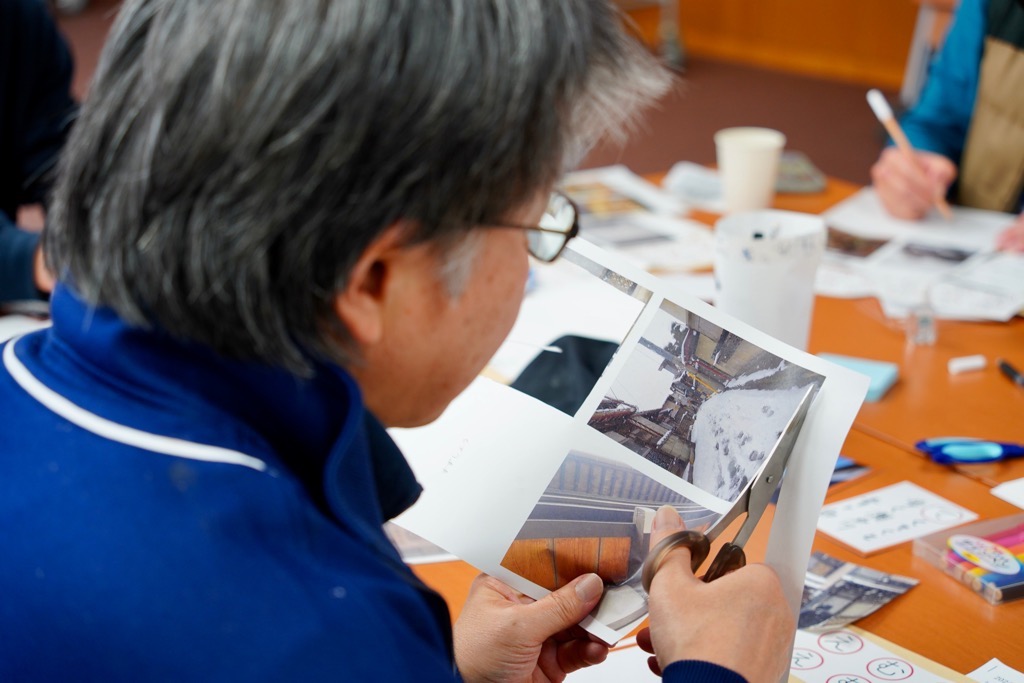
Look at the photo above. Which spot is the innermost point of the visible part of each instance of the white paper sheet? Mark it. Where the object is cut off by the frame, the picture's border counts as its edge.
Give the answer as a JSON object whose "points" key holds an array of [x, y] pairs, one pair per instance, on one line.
{"points": [[622, 212], [616, 189], [994, 671], [890, 515], [1011, 491], [948, 264], [488, 465], [16, 324], [627, 662]]}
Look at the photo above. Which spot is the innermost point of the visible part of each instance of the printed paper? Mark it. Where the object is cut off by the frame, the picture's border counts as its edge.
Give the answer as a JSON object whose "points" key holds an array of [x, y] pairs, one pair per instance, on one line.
{"points": [[684, 414]]}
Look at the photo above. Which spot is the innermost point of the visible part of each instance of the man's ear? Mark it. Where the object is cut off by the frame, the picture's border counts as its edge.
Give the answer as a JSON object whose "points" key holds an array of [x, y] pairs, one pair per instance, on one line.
{"points": [[361, 305]]}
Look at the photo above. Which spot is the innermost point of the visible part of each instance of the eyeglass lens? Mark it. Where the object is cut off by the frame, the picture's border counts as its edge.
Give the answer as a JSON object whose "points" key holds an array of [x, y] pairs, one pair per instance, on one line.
{"points": [[559, 217]]}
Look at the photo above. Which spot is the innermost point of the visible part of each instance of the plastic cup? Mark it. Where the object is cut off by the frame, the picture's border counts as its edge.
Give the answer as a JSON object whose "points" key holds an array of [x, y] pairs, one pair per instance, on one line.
{"points": [[765, 264], [748, 165]]}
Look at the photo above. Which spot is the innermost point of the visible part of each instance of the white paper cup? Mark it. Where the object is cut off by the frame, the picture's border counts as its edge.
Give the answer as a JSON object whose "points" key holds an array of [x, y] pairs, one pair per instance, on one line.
{"points": [[765, 262], [748, 165]]}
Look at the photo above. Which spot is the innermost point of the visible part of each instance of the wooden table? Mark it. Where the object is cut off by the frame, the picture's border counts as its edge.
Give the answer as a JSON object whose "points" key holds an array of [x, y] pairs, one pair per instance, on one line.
{"points": [[940, 618]]}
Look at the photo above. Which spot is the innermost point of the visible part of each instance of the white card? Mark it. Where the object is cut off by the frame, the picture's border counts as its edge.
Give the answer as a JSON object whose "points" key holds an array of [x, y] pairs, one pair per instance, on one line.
{"points": [[890, 515]]}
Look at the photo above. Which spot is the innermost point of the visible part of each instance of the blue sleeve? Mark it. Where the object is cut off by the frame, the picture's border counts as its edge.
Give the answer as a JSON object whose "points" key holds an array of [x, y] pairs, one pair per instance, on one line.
{"points": [[694, 671], [939, 121], [17, 251]]}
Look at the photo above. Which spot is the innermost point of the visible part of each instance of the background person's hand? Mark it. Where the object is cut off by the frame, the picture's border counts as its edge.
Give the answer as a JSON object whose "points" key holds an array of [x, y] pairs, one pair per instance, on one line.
{"points": [[503, 635], [908, 187], [740, 621], [1012, 239], [42, 276]]}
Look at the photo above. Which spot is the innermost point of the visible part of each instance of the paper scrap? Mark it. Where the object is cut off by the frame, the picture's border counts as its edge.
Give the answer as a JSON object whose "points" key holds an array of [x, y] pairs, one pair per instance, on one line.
{"points": [[890, 515], [1011, 491], [837, 593], [995, 671]]}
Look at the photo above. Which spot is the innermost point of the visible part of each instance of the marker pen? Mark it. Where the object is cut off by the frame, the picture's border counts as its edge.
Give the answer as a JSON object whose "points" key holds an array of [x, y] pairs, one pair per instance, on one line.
{"points": [[1011, 372]]}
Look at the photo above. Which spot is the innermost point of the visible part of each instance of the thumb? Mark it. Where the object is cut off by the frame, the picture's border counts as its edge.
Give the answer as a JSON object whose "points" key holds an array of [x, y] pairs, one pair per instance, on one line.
{"points": [[565, 607], [667, 522]]}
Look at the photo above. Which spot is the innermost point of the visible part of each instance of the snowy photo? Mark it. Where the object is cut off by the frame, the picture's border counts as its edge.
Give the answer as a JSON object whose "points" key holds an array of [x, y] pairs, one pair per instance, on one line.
{"points": [[701, 402], [595, 516], [837, 593]]}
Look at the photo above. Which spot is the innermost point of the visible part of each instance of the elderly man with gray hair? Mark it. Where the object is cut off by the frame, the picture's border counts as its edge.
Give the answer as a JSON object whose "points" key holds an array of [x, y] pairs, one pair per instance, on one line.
{"points": [[279, 228]]}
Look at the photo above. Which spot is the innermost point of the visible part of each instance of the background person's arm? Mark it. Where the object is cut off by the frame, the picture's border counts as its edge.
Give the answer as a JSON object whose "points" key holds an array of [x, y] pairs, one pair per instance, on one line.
{"points": [[17, 262], [937, 125], [940, 119]]}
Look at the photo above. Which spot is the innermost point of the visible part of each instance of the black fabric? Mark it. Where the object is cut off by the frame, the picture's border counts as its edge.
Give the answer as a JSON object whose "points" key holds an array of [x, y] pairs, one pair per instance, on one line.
{"points": [[1006, 21], [36, 111], [563, 380], [397, 487]]}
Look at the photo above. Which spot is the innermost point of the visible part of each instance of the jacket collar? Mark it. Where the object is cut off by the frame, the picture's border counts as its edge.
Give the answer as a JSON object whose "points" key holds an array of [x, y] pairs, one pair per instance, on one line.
{"points": [[147, 380]]}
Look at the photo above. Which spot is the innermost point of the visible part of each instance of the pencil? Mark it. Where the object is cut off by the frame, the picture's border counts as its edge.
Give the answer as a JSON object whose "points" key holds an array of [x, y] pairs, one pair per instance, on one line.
{"points": [[883, 111]]}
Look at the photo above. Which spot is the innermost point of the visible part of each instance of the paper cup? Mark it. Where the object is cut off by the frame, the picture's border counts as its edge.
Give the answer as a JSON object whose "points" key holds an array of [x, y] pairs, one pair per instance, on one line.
{"points": [[765, 262], [748, 165]]}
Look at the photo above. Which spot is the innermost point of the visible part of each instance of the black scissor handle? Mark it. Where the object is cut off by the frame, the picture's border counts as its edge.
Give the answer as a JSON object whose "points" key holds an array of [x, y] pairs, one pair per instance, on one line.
{"points": [[730, 557], [697, 542]]}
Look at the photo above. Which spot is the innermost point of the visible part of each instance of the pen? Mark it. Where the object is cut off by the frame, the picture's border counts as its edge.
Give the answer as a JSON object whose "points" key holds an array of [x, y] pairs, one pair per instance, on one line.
{"points": [[885, 116], [1011, 372]]}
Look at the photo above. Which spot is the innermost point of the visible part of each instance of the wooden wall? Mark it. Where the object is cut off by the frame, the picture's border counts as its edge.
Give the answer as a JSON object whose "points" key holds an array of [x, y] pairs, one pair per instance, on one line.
{"points": [[859, 41]]}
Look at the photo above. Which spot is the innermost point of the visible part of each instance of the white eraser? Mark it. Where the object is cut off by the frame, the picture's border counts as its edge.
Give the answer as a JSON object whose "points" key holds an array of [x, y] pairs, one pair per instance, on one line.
{"points": [[879, 105], [966, 364]]}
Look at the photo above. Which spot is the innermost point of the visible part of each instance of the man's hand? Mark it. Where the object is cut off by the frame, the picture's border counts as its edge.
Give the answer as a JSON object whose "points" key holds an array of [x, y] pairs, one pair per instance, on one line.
{"points": [[908, 187], [503, 635], [1012, 239], [740, 621]]}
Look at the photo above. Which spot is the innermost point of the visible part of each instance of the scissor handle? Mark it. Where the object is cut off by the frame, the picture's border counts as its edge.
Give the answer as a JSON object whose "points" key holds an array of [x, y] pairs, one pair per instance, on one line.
{"points": [[730, 557], [697, 542]]}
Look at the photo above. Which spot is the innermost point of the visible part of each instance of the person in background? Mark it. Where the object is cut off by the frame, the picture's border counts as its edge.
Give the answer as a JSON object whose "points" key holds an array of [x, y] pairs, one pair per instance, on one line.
{"points": [[968, 126], [36, 111], [279, 228]]}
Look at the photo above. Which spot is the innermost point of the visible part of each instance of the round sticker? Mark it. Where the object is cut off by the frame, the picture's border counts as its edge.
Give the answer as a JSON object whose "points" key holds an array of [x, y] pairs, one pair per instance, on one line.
{"points": [[984, 553]]}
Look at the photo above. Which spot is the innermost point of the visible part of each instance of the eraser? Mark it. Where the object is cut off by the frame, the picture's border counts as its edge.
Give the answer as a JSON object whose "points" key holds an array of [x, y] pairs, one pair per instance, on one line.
{"points": [[966, 364], [882, 374]]}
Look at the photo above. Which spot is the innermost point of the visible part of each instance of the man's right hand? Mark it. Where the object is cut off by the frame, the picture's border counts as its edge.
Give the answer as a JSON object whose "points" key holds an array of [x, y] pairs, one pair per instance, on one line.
{"points": [[740, 621], [909, 186]]}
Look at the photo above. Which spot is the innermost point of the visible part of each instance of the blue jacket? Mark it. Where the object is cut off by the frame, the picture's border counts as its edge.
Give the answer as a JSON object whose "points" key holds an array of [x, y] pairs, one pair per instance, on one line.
{"points": [[36, 111], [171, 515]]}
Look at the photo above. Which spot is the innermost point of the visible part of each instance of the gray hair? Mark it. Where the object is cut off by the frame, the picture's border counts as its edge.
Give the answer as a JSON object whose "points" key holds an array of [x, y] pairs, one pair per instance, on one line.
{"points": [[234, 158]]}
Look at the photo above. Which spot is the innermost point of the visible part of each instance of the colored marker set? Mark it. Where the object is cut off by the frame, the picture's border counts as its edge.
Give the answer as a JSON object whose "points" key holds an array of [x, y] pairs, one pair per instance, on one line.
{"points": [[987, 556]]}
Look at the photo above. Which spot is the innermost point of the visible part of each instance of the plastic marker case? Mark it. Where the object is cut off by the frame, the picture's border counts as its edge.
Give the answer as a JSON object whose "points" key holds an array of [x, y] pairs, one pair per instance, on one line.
{"points": [[986, 556]]}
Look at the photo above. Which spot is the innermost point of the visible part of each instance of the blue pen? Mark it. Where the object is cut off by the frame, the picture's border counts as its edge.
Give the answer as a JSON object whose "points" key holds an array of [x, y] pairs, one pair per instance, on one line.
{"points": [[957, 450]]}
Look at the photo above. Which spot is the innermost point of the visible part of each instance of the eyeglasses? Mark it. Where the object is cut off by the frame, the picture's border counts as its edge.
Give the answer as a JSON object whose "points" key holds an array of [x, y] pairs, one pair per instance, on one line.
{"points": [[559, 224]]}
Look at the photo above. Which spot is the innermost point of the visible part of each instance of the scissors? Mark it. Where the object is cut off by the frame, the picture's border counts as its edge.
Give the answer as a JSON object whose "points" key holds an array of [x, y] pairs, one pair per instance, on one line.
{"points": [[957, 450], [752, 501]]}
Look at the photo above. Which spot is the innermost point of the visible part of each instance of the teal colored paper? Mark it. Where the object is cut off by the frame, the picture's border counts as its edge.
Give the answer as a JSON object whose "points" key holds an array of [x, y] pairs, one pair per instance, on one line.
{"points": [[882, 374]]}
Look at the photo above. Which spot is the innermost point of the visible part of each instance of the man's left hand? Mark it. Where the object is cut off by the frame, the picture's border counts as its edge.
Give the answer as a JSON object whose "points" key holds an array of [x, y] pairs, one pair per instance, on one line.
{"points": [[503, 635]]}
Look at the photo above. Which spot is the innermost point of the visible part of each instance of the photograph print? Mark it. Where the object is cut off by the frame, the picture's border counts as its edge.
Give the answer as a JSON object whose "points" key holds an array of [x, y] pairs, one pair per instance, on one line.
{"points": [[701, 402], [595, 516]]}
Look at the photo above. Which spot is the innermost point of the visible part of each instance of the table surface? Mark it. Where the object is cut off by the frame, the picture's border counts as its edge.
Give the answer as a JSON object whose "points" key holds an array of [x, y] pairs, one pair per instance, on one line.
{"points": [[939, 618]]}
